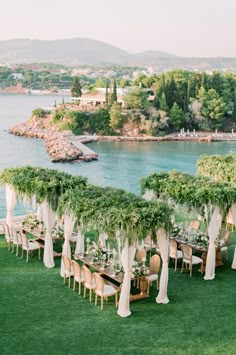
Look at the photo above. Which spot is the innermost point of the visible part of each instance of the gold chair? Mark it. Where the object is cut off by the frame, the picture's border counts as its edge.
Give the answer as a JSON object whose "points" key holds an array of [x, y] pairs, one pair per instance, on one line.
{"points": [[29, 245], [8, 237], [194, 224], [103, 290], [140, 255], [190, 259], [67, 269], [174, 253], [88, 282], [78, 275], [155, 263], [224, 241]]}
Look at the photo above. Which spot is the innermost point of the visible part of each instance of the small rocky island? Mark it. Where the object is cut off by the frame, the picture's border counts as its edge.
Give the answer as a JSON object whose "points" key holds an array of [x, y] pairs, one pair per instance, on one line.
{"points": [[59, 144]]}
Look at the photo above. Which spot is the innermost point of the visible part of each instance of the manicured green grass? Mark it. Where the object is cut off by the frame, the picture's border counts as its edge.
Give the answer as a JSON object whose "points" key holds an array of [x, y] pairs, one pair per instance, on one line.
{"points": [[40, 315]]}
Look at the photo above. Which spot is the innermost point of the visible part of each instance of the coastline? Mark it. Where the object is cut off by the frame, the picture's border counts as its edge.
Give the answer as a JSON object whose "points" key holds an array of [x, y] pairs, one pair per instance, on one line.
{"points": [[64, 146]]}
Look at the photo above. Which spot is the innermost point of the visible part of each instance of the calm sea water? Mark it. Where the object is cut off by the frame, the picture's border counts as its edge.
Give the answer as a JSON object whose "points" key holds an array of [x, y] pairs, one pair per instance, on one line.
{"points": [[119, 165]]}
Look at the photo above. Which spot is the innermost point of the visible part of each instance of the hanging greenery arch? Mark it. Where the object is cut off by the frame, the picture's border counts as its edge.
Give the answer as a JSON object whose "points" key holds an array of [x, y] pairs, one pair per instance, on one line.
{"points": [[218, 167], [193, 191], [104, 208], [42, 184], [114, 210]]}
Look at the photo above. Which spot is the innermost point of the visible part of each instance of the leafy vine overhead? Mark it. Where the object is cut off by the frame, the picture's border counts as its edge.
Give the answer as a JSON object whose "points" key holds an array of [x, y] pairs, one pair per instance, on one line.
{"points": [[43, 184], [113, 210], [104, 208], [218, 167], [189, 190]]}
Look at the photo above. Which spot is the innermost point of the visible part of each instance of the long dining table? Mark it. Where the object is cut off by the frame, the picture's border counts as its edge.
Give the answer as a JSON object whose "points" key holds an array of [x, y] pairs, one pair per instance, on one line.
{"points": [[204, 249], [106, 269]]}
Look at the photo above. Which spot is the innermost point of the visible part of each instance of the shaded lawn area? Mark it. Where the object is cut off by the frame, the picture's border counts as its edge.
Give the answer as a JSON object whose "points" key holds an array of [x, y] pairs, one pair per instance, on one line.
{"points": [[40, 315]]}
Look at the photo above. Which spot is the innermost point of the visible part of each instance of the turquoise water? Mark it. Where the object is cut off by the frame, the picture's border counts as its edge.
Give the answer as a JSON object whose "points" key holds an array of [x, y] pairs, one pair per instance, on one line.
{"points": [[119, 165]]}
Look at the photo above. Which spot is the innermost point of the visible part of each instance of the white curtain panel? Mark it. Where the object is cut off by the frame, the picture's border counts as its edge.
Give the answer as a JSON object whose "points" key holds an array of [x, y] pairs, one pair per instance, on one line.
{"points": [[213, 230], [40, 212], [149, 195], [80, 242], [69, 223], [10, 202], [49, 218], [163, 241], [233, 210], [102, 239], [127, 258]]}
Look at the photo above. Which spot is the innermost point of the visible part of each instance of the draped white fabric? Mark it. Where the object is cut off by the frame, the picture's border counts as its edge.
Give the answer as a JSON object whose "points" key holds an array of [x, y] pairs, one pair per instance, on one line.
{"points": [[149, 195], [213, 228], [69, 223], [49, 218], [40, 212], [163, 241], [102, 239], [80, 242], [127, 258], [233, 211], [10, 202]]}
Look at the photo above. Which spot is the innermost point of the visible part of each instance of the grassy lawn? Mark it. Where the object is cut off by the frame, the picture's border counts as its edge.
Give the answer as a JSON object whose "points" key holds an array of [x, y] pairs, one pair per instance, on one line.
{"points": [[40, 315]]}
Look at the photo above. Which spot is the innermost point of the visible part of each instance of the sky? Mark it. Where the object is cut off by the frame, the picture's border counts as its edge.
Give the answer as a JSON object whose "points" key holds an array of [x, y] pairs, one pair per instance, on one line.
{"points": [[190, 28]]}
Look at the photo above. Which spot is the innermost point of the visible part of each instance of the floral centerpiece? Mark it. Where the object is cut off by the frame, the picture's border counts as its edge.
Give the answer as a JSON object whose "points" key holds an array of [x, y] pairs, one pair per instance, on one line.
{"points": [[200, 238], [57, 231], [32, 221], [95, 251]]}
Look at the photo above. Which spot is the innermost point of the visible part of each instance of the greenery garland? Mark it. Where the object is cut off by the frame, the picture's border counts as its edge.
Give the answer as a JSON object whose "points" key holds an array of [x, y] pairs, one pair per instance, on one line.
{"points": [[195, 192], [219, 167], [114, 210], [43, 184], [103, 208]]}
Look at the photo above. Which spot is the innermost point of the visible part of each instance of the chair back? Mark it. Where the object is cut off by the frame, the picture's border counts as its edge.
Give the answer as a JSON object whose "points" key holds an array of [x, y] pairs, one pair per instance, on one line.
{"points": [[172, 249], [24, 239], [187, 252], [88, 276], [224, 236], [67, 263], [155, 263], [14, 234], [76, 269], [7, 232], [141, 254], [194, 224], [99, 281]]}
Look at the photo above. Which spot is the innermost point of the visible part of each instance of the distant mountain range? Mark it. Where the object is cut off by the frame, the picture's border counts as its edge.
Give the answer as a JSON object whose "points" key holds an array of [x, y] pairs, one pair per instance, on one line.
{"points": [[81, 51]]}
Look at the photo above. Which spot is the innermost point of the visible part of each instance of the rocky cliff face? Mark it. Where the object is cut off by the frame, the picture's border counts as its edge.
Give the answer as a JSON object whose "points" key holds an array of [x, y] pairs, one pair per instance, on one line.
{"points": [[58, 144]]}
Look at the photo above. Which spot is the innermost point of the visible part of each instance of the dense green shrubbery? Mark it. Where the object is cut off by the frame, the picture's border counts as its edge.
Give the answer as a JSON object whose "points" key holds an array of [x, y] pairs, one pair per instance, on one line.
{"points": [[80, 122], [39, 112]]}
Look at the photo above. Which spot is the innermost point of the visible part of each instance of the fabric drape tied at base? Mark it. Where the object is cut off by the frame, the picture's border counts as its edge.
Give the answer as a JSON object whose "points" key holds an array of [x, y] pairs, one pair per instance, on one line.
{"points": [[69, 223], [49, 218], [213, 231], [163, 241], [10, 202], [80, 242], [233, 211], [127, 258], [102, 239]]}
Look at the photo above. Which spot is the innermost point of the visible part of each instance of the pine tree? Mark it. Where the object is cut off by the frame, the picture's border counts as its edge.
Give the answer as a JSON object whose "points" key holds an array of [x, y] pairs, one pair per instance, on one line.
{"points": [[114, 93], [234, 111], [176, 116], [170, 91], [163, 103], [107, 94], [76, 88]]}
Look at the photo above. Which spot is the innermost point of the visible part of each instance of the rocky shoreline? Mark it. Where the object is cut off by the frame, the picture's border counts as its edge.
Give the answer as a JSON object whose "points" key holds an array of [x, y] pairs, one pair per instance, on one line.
{"points": [[60, 147], [58, 144]]}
